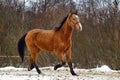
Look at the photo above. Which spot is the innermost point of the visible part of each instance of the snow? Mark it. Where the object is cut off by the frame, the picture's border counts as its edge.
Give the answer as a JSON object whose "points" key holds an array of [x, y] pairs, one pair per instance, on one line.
{"points": [[104, 68], [99, 73]]}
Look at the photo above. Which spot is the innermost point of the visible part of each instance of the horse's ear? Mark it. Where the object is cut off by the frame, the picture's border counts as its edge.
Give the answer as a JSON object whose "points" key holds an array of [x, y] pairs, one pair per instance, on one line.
{"points": [[74, 12], [70, 14]]}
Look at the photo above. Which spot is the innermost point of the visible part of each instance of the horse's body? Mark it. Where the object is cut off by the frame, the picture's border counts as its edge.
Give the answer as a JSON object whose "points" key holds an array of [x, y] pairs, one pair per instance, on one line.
{"points": [[41, 39], [56, 40]]}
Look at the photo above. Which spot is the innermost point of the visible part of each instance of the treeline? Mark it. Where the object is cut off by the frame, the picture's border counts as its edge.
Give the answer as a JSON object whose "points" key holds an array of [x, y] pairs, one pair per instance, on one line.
{"points": [[96, 45]]}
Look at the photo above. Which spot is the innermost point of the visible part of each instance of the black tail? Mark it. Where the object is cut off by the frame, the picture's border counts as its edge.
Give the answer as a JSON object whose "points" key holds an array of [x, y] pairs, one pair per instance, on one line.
{"points": [[21, 46]]}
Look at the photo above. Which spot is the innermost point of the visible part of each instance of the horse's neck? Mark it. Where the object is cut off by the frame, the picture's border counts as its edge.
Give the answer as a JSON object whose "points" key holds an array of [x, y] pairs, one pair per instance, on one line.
{"points": [[66, 31]]}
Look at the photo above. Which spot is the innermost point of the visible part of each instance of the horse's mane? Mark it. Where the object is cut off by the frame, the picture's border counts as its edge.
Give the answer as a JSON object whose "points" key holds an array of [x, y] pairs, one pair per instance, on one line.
{"points": [[61, 24]]}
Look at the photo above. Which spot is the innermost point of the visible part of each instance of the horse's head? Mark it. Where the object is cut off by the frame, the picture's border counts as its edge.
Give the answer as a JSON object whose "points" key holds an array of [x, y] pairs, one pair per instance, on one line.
{"points": [[74, 21]]}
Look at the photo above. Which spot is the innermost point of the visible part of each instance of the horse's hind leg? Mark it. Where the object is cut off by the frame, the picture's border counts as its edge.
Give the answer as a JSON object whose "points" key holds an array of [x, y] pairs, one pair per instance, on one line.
{"points": [[33, 63], [61, 57]]}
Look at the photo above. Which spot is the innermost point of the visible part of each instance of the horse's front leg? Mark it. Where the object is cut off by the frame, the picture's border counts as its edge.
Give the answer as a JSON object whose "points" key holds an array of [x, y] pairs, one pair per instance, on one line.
{"points": [[68, 58], [61, 58]]}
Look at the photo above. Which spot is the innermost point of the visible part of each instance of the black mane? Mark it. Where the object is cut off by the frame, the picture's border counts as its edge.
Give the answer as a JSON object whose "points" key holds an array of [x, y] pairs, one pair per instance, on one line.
{"points": [[61, 24]]}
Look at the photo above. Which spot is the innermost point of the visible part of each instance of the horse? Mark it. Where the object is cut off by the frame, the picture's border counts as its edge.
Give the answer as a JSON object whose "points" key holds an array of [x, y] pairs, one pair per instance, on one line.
{"points": [[57, 40]]}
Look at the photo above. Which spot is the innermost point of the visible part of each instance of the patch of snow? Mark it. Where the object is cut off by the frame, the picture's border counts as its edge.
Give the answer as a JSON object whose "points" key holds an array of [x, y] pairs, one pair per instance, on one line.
{"points": [[12, 73], [11, 68], [104, 68]]}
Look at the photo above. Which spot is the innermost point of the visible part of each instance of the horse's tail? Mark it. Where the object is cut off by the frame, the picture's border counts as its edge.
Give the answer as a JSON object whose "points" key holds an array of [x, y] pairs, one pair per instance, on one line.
{"points": [[21, 46]]}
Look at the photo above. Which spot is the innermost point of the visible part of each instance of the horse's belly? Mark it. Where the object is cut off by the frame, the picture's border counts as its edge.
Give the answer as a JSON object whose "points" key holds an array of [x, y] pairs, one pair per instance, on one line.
{"points": [[47, 48], [45, 45]]}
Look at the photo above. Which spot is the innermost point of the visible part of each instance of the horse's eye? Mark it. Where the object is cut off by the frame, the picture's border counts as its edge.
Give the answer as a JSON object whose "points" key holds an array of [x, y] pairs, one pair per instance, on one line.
{"points": [[73, 18]]}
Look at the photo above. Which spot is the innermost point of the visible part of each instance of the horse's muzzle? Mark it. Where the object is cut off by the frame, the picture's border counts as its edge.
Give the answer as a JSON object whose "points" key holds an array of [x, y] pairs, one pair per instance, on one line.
{"points": [[80, 27]]}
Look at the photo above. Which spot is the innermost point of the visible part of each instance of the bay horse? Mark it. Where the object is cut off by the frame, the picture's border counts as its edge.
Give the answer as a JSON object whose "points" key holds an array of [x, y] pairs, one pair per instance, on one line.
{"points": [[57, 40]]}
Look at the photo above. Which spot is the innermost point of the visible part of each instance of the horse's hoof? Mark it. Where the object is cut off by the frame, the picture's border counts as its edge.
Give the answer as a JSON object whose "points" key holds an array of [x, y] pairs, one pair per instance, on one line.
{"points": [[38, 71], [75, 75], [57, 66], [30, 67]]}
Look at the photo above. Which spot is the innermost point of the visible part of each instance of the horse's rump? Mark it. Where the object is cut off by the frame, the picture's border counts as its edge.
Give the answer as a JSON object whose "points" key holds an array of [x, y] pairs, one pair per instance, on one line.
{"points": [[43, 39]]}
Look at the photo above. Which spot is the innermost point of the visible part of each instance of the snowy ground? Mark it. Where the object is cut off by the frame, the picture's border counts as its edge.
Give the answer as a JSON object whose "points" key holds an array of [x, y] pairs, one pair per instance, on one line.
{"points": [[101, 73]]}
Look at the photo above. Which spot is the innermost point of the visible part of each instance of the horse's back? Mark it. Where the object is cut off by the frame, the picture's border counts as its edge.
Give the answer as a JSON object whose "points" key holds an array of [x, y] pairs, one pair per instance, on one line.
{"points": [[39, 33]]}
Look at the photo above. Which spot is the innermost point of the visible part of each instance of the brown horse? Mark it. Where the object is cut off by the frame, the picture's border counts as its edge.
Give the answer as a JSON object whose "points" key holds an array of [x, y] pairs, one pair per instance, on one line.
{"points": [[57, 40]]}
